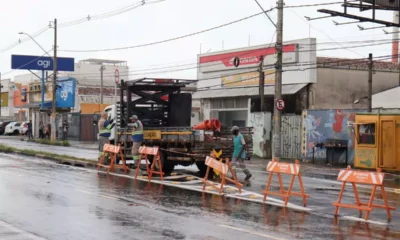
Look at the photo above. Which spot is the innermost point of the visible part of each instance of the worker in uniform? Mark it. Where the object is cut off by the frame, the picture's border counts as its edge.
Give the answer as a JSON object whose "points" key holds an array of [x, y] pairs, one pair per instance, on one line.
{"points": [[137, 138], [239, 152], [105, 125]]}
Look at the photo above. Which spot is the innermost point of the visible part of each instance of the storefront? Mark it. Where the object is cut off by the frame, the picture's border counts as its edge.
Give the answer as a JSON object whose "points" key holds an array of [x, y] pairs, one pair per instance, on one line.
{"points": [[231, 93]]}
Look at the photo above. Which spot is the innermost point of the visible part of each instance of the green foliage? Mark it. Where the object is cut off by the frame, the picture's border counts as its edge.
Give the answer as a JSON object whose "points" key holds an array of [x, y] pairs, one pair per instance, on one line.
{"points": [[53, 143]]}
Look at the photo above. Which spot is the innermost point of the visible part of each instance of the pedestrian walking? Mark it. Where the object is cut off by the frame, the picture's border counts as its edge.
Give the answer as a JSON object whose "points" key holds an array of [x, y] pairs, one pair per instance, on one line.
{"points": [[105, 125], [30, 135], [48, 131], [137, 138], [65, 129], [239, 152], [41, 130]]}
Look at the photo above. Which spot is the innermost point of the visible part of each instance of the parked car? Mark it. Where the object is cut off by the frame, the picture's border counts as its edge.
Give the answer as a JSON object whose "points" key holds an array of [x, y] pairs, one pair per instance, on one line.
{"points": [[12, 128], [23, 129], [3, 126]]}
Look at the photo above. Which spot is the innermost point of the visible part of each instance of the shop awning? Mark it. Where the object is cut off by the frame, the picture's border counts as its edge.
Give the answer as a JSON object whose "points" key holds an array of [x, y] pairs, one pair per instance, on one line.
{"points": [[287, 89]]}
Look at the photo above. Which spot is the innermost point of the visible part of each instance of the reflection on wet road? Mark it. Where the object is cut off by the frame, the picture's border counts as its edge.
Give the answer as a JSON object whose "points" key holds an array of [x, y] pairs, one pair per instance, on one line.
{"points": [[51, 201]]}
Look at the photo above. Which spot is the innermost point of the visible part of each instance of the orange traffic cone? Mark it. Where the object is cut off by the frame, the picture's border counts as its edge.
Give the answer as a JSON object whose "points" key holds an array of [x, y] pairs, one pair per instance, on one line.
{"points": [[202, 126], [217, 124]]}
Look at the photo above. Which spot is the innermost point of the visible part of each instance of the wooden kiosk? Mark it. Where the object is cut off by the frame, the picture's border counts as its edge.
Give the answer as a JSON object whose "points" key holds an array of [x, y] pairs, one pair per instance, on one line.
{"points": [[377, 141]]}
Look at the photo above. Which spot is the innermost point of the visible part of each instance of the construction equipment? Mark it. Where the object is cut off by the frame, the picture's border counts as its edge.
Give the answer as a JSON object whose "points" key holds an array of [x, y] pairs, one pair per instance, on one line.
{"points": [[164, 106]]}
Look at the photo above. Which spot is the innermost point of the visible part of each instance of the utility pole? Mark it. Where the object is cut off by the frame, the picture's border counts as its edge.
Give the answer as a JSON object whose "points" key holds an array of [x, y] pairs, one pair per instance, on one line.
{"points": [[370, 72], [101, 83], [53, 112], [278, 82], [261, 83]]}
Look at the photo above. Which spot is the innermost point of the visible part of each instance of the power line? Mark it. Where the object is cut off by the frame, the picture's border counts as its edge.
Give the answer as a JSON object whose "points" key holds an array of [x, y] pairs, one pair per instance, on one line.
{"points": [[83, 20], [171, 39], [136, 73], [22, 40], [109, 14], [207, 88], [378, 42], [318, 4]]}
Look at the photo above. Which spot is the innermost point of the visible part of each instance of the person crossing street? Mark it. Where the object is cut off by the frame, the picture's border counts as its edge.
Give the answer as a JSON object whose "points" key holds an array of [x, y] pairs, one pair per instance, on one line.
{"points": [[239, 152]]}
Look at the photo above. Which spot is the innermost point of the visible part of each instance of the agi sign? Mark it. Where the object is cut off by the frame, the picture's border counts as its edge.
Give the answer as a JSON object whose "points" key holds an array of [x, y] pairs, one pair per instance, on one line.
{"points": [[41, 63]]}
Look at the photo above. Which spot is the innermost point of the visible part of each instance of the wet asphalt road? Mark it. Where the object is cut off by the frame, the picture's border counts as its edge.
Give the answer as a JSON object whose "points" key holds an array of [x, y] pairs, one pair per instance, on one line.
{"points": [[41, 200]]}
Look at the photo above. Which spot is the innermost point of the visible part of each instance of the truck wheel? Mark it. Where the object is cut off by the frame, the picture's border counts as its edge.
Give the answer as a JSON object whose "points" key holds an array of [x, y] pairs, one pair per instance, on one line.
{"points": [[203, 169], [168, 166]]}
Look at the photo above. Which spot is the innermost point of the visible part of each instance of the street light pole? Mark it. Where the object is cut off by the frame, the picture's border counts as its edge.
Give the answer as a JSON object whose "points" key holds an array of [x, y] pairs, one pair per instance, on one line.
{"points": [[23, 33], [53, 112], [42, 80]]}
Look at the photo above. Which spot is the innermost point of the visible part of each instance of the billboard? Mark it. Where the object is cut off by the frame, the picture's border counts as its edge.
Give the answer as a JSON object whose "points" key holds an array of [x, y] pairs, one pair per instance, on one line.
{"points": [[41, 63], [66, 93], [247, 58], [248, 79]]}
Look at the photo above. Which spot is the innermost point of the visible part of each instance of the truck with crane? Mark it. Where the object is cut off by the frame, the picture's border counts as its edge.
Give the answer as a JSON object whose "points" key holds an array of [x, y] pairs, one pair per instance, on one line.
{"points": [[164, 106]]}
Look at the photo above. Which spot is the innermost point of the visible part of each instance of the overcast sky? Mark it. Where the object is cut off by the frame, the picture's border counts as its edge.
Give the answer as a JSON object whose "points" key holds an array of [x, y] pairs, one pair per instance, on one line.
{"points": [[168, 19]]}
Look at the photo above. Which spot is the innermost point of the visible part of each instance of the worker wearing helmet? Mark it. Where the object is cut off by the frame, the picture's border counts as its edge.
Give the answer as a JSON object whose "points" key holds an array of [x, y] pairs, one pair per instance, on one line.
{"points": [[239, 151], [137, 138]]}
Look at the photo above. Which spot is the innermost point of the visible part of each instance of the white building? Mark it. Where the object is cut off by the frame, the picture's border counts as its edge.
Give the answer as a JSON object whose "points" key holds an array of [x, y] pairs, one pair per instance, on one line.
{"points": [[387, 99]]}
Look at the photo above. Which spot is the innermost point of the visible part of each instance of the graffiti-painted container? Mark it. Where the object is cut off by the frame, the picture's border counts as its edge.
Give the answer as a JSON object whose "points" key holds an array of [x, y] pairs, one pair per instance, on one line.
{"points": [[377, 143]]}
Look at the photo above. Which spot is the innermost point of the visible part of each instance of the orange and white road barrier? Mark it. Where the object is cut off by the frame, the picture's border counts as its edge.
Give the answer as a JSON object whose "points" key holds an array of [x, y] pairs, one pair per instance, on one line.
{"points": [[278, 168], [223, 169], [375, 179], [113, 151], [144, 153]]}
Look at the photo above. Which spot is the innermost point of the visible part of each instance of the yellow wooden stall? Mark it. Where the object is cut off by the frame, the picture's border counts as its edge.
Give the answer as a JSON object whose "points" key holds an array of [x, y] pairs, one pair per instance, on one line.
{"points": [[377, 142]]}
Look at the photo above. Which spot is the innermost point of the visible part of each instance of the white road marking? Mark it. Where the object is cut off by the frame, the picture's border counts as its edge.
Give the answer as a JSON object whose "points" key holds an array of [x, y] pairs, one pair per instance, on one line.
{"points": [[99, 195], [251, 232], [21, 234], [357, 219]]}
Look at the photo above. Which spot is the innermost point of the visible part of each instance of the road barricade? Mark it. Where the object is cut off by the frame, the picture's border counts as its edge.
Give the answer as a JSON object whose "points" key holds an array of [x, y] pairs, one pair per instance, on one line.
{"points": [[374, 179], [223, 169], [278, 168], [144, 154], [113, 151]]}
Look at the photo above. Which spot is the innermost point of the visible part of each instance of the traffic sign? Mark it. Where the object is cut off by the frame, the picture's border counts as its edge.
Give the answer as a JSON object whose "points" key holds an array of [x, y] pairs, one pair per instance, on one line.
{"points": [[116, 76], [280, 104]]}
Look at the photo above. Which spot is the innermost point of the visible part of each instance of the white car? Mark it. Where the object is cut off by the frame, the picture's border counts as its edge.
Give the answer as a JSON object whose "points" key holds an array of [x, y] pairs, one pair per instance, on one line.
{"points": [[12, 128], [23, 129]]}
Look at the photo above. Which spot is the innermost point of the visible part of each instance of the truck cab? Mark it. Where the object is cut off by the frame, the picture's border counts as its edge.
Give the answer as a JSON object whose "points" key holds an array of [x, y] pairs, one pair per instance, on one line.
{"points": [[112, 113]]}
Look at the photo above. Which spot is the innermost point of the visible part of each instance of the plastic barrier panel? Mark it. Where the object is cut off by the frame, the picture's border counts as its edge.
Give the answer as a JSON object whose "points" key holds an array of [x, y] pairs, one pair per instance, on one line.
{"points": [[375, 179], [144, 153], [112, 151], [223, 169], [278, 168]]}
